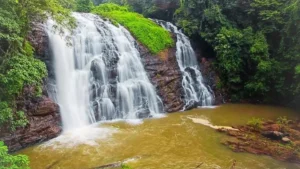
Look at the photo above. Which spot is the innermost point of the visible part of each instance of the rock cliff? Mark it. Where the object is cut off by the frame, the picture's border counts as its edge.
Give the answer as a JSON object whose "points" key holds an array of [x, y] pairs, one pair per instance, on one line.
{"points": [[41, 112], [165, 75]]}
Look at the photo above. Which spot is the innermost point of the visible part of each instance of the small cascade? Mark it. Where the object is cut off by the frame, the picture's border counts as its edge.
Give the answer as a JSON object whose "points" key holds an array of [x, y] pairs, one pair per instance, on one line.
{"points": [[196, 92], [100, 76]]}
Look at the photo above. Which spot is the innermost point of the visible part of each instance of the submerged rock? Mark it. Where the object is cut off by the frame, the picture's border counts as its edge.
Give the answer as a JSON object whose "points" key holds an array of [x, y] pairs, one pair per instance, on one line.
{"points": [[143, 113]]}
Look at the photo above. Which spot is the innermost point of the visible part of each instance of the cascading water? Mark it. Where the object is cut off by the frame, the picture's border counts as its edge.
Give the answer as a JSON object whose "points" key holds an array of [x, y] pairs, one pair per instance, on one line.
{"points": [[100, 76], [196, 92]]}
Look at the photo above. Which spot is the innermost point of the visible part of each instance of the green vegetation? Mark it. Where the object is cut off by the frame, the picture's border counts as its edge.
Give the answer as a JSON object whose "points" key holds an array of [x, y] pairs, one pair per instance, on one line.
{"points": [[255, 123], [149, 8], [154, 37], [124, 166], [84, 5], [18, 67], [255, 43], [282, 122], [8, 161]]}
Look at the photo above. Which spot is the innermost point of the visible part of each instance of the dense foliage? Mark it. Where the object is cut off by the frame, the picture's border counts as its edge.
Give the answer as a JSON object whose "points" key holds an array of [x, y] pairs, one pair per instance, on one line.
{"points": [[84, 5], [18, 67], [154, 37], [8, 161], [256, 44], [162, 9]]}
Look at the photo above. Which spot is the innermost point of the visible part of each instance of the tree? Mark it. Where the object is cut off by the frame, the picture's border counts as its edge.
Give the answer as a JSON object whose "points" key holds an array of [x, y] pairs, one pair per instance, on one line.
{"points": [[255, 43], [8, 161], [18, 67], [84, 5]]}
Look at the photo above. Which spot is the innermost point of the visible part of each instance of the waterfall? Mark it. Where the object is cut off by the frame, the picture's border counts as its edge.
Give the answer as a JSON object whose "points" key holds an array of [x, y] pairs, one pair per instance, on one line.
{"points": [[100, 76], [196, 92]]}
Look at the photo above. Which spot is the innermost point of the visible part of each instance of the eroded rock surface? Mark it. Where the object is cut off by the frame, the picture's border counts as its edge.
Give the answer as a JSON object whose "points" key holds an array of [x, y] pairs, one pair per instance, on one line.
{"points": [[44, 121], [164, 73]]}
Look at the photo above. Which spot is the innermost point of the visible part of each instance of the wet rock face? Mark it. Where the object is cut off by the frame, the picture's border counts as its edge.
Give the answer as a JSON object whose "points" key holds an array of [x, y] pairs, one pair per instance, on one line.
{"points": [[44, 121], [212, 79], [42, 113], [165, 75], [39, 40]]}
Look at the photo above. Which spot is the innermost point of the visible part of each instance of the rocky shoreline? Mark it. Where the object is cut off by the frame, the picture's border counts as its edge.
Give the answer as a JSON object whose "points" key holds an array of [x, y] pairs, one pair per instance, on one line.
{"points": [[278, 139]]}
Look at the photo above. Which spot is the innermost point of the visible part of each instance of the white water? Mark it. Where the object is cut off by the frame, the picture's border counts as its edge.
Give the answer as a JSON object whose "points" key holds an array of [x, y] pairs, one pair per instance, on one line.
{"points": [[100, 77], [196, 92]]}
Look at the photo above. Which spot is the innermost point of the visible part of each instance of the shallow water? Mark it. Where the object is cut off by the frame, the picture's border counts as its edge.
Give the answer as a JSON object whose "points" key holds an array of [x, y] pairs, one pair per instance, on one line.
{"points": [[172, 142]]}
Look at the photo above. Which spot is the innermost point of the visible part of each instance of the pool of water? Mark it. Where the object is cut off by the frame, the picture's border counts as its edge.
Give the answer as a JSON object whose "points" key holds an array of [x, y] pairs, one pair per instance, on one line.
{"points": [[171, 142]]}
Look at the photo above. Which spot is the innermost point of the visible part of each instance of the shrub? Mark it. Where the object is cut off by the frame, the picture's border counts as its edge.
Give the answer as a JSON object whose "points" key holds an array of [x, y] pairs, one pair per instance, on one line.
{"points": [[282, 120], [8, 161], [154, 37], [84, 5], [255, 123], [21, 70]]}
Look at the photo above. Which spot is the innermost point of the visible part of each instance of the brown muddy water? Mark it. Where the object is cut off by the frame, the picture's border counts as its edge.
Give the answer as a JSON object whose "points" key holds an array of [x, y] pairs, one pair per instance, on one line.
{"points": [[172, 142]]}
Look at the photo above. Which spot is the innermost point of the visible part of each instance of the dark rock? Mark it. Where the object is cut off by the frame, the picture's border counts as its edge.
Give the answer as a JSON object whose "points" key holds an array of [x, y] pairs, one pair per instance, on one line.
{"points": [[274, 135], [191, 105], [165, 75], [212, 79], [143, 113]]}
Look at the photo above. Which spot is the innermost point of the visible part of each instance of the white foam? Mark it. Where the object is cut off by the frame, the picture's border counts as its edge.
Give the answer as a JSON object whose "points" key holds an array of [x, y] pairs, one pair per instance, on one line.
{"points": [[89, 135], [207, 107], [158, 116], [134, 121]]}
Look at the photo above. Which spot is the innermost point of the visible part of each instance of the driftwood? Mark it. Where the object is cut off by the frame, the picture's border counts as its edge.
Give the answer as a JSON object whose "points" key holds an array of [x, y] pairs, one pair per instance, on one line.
{"points": [[107, 166], [198, 166]]}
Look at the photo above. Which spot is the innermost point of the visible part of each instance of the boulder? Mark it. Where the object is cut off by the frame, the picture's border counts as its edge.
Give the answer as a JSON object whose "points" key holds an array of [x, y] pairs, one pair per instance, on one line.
{"points": [[43, 117], [44, 124], [45, 107], [274, 135], [286, 139]]}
